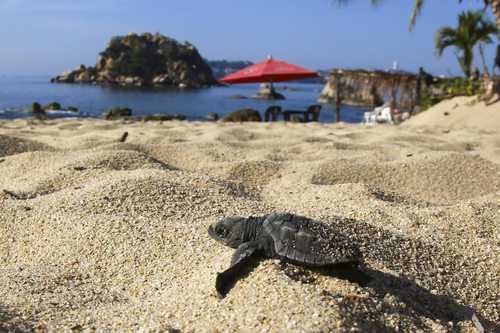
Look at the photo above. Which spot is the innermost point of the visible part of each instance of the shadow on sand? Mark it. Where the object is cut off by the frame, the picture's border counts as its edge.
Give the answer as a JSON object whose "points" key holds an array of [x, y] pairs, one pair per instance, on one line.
{"points": [[388, 295], [9, 322], [430, 277], [396, 295]]}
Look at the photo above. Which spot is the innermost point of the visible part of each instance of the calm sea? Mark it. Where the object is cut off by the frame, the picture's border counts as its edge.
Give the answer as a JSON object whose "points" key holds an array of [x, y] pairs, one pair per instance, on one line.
{"points": [[18, 93]]}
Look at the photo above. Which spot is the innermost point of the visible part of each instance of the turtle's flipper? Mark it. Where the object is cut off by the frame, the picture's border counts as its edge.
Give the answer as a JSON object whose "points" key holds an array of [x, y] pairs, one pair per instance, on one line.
{"points": [[240, 265]]}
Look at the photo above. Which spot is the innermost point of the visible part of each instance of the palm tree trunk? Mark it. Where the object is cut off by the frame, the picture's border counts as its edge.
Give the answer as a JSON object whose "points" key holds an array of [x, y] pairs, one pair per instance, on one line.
{"points": [[495, 8], [468, 59], [483, 59]]}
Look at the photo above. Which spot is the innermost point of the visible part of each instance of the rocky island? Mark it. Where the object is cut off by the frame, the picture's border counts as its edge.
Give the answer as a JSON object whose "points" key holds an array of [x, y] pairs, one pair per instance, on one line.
{"points": [[143, 61]]}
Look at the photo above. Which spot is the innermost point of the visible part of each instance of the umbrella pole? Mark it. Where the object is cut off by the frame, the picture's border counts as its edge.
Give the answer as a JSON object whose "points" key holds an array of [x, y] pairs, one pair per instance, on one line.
{"points": [[271, 87], [338, 98]]}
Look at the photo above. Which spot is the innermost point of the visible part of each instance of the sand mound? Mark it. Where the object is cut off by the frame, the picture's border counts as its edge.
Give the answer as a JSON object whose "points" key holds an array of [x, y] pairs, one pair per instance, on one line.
{"points": [[43, 173], [116, 160], [115, 238], [438, 179], [12, 145], [254, 172], [194, 157], [152, 193], [459, 112]]}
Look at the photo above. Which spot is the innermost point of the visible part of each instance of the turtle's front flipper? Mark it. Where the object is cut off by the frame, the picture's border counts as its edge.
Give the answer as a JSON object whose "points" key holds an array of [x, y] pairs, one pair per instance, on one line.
{"points": [[240, 265]]}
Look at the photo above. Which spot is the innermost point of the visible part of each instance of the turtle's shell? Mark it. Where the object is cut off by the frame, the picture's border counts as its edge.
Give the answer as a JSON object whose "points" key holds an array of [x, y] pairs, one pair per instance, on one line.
{"points": [[309, 242]]}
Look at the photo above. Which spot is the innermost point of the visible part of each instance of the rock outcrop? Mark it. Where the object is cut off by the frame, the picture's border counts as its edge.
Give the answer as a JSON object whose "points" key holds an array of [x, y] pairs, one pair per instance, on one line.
{"points": [[118, 113], [53, 106], [163, 117], [36, 108], [145, 60], [268, 93], [371, 88], [242, 115], [40, 112], [359, 95]]}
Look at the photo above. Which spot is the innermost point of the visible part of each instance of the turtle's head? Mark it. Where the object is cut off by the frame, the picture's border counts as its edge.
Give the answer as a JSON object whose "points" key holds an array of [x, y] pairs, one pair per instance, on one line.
{"points": [[231, 231]]}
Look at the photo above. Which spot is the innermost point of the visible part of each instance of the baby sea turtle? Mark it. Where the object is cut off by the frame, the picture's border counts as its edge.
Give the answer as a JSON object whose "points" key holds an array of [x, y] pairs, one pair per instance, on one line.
{"points": [[292, 238]]}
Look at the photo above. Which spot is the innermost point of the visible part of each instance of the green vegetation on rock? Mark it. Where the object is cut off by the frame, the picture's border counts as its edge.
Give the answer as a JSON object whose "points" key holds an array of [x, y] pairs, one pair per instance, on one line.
{"points": [[449, 88]]}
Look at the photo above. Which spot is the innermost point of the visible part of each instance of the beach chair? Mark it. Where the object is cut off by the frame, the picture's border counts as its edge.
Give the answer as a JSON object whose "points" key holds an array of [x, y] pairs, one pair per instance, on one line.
{"points": [[314, 111], [272, 113], [385, 116], [381, 114], [369, 118]]}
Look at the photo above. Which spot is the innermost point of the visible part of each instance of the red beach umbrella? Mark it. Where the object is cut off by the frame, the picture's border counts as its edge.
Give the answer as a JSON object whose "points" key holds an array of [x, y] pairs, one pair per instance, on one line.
{"points": [[269, 70]]}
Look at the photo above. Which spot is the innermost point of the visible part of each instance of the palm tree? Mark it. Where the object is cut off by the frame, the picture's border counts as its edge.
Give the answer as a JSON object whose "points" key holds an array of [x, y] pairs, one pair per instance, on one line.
{"points": [[419, 4], [472, 29]]}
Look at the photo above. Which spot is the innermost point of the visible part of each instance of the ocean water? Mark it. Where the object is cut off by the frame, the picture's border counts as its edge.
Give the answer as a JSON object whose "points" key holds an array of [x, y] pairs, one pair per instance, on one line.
{"points": [[18, 93]]}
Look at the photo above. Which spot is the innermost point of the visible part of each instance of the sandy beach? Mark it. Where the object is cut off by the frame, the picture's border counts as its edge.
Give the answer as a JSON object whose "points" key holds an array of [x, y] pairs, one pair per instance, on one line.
{"points": [[99, 235]]}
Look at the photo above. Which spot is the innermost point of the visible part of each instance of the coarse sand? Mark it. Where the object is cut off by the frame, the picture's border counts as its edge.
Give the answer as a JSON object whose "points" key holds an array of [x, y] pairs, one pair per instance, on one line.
{"points": [[99, 235], [460, 112]]}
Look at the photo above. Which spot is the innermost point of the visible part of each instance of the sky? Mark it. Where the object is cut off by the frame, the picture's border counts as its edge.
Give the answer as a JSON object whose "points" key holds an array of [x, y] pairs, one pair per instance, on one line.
{"points": [[46, 37]]}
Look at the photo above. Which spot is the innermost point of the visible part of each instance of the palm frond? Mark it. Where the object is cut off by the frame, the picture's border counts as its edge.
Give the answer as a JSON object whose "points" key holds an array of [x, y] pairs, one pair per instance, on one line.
{"points": [[417, 9], [444, 38], [486, 29]]}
